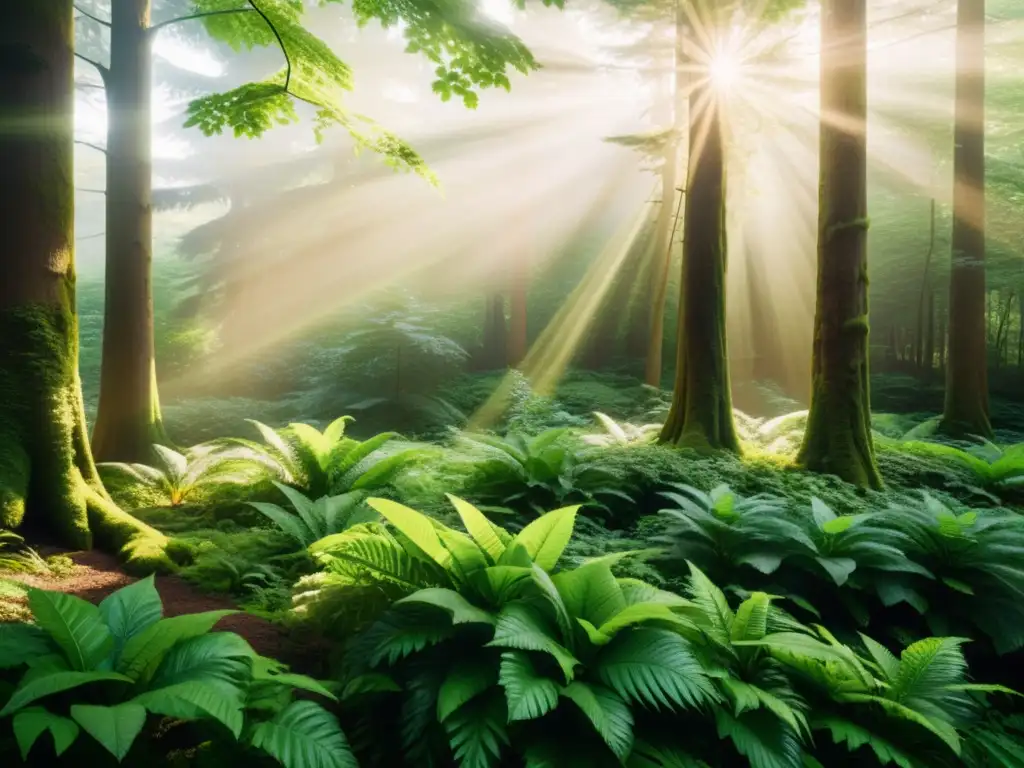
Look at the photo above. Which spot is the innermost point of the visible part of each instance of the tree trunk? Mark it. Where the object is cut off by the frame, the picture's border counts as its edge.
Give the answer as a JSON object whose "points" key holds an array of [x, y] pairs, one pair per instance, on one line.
{"points": [[919, 356], [495, 340], [838, 438], [1003, 330], [518, 341], [48, 481], [668, 216], [966, 409], [128, 419], [701, 413], [929, 339]]}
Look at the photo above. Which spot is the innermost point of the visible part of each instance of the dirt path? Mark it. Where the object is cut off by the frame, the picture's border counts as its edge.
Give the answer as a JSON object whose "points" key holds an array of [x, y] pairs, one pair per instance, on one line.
{"points": [[97, 574]]}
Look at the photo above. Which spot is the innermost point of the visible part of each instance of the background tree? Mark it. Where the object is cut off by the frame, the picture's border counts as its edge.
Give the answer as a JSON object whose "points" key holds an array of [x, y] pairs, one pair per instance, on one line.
{"points": [[966, 410], [838, 438], [47, 476]]}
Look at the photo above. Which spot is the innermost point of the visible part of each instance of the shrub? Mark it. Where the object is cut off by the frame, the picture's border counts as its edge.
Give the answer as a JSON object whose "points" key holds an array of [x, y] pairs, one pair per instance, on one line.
{"points": [[104, 670], [313, 520]]}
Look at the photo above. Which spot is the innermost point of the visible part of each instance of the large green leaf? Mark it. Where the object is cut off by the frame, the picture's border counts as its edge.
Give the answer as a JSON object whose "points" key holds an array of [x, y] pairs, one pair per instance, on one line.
{"points": [[608, 712], [640, 613], [528, 694], [654, 667], [501, 583], [37, 686], [523, 628], [304, 735], [130, 610], [114, 727], [21, 643], [483, 531], [546, 537], [416, 526], [75, 625], [215, 699], [467, 557], [144, 652], [29, 725], [856, 736], [717, 616], [218, 655], [466, 680], [460, 609], [272, 671], [590, 592], [751, 620], [285, 520]]}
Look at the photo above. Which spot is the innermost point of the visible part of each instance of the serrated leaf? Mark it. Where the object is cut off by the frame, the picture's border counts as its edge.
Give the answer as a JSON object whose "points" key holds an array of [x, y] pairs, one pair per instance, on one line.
{"points": [[608, 713], [414, 525], [465, 681], [304, 735], [522, 628], [528, 694], [478, 733]]}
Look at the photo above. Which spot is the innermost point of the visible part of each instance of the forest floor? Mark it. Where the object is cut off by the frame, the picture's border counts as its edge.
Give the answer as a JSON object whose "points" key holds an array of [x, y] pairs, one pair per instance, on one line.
{"points": [[96, 574]]}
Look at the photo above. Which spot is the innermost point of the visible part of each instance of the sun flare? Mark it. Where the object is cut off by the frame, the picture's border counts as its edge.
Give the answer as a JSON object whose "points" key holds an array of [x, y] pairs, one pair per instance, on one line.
{"points": [[725, 69]]}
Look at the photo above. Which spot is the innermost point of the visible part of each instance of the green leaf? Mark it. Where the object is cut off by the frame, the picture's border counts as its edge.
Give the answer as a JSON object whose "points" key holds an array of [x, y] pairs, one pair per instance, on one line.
{"points": [[717, 616], [501, 583], [269, 670], [654, 667], [130, 610], [336, 430], [887, 663], [839, 568], [215, 699], [546, 537], [590, 592], [416, 526], [479, 527], [460, 609], [855, 736], [34, 687], [528, 694], [523, 628], [477, 733], [467, 557], [466, 680], [373, 682], [144, 652], [284, 520], [114, 727], [304, 735], [751, 620], [30, 723], [608, 712], [75, 625], [640, 613], [21, 643], [221, 656]]}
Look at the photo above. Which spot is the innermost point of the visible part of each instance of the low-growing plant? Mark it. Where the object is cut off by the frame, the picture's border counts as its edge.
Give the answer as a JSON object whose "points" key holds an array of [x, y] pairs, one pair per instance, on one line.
{"points": [[105, 670], [621, 433], [312, 520], [517, 474], [17, 557], [182, 478]]}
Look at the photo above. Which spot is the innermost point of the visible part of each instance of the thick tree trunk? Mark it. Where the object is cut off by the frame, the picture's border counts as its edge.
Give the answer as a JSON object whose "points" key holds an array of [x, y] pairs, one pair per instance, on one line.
{"points": [[128, 419], [838, 438], [701, 413], [668, 216], [47, 477], [966, 408]]}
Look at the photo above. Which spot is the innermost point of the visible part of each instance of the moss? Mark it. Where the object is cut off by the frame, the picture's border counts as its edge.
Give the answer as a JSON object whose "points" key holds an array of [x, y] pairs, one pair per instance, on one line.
{"points": [[47, 477]]}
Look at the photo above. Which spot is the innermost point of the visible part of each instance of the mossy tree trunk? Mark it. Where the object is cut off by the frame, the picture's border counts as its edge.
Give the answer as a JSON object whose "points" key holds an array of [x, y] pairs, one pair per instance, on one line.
{"points": [[838, 438], [48, 480], [701, 413], [966, 410], [128, 419]]}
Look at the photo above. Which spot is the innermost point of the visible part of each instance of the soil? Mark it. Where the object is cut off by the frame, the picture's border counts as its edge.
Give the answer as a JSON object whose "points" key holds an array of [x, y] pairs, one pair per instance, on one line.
{"points": [[97, 574]]}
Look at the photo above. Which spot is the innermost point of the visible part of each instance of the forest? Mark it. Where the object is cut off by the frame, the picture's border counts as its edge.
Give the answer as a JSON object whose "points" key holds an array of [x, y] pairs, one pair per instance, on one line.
{"points": [[512, 384]]}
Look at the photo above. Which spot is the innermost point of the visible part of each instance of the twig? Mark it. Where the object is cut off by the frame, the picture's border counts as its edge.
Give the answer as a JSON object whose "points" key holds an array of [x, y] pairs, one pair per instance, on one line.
{"points": [[157, 27], [97, 147], [91, 191], [90, 237], [99, 67], [88, 15], [280, 42]]}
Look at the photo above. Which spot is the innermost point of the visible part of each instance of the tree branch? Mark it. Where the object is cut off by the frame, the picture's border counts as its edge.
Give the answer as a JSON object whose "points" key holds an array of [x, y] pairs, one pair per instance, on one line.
{"points": [[97, 147], [88, 15], [91, 191], [280, 42], [157, 27], [99, 67], [90, 237]]}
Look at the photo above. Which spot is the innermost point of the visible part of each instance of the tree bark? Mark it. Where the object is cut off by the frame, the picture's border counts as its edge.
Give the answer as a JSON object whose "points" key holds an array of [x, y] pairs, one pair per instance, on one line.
{"points": [[128, 419], [701, 413], [838, 438], [919, 352], [48, 481], [667, 217], [929, 340], [966, 409]]}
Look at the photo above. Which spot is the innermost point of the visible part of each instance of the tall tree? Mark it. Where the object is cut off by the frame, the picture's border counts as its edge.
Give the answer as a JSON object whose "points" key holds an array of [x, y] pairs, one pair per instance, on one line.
{"points": [[838, 438], [467, 54], [966, 410], [701, 413], [47, 476]]}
